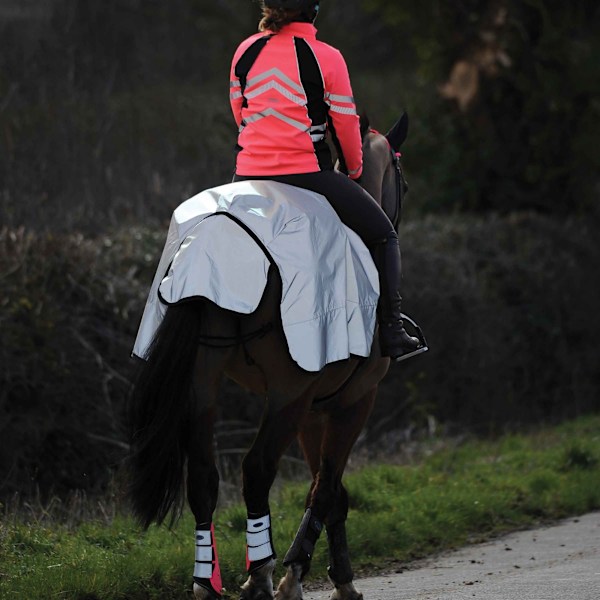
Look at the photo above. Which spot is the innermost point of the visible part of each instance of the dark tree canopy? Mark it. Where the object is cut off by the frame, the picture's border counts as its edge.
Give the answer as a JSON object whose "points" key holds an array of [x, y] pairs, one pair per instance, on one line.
{"points": [[519, 82], [110, 106]]}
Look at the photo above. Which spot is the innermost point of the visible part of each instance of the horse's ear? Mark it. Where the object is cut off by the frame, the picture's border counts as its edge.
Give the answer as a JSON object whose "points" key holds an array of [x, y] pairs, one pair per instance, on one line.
{"points": [[365, 126], [397, 134]]}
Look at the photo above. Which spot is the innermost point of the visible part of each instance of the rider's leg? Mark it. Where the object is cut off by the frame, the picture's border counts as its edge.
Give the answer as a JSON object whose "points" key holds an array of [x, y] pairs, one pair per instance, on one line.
{"points": [[358, 210], [395, 341]]}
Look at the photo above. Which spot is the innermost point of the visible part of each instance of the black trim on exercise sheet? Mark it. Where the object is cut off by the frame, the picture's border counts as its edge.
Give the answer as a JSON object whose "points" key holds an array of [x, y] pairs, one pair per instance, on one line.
{"points": [[244, 227]]}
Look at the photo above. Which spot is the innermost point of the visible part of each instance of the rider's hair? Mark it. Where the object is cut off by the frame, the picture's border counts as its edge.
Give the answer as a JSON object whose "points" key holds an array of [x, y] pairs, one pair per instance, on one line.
{"points": [[273, 19]]}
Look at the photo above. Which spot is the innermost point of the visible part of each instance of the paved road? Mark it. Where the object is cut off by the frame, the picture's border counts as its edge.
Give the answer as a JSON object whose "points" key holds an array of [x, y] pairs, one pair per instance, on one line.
{"points": [[561, 562]]}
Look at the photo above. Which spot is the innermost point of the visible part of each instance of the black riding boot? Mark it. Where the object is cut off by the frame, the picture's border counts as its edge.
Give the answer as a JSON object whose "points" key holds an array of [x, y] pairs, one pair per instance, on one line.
{"points": [[393, 338]]}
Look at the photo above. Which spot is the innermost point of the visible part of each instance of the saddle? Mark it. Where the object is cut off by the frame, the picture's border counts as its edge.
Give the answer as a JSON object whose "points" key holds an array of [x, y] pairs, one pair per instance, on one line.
{"points": [[221, 244]]}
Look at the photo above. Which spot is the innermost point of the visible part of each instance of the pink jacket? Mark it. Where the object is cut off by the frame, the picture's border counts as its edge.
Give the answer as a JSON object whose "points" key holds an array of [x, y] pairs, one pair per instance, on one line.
{"points": [[276, 134]]}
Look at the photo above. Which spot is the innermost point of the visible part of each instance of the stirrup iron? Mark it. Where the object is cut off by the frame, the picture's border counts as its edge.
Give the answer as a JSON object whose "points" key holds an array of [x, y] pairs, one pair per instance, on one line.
{"points": [[423, 347]]}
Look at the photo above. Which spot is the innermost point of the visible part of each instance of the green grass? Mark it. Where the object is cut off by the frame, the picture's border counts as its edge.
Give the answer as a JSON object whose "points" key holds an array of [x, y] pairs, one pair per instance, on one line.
{"points": [[465, 492]]}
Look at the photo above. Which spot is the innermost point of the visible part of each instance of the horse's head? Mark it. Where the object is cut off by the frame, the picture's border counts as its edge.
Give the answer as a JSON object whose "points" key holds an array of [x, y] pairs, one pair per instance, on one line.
{"points": [[382, 172]]}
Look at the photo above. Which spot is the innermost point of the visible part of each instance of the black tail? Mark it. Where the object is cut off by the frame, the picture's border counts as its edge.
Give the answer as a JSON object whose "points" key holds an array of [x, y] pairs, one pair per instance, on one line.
{"points": [[160, 404]]}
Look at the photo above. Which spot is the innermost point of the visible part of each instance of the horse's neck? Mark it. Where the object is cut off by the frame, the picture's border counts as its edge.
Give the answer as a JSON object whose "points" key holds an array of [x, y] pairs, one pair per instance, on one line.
{"points": [[376, 161]]}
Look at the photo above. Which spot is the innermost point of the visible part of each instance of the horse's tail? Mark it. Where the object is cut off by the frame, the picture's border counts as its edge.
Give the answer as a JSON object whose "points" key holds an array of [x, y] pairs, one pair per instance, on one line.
{"points": [[160, 405]]}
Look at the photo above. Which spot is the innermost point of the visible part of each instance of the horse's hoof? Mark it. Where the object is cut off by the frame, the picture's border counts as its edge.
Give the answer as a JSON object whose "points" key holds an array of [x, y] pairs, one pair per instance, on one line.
{"points": [[201, 593], [346, 591], [289, 594], [290, 587], [259, 585], [255, 595]]}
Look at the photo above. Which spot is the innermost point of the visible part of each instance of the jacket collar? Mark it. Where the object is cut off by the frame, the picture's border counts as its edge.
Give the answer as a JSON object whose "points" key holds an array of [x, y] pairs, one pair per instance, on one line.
{"points": [[306, 30]]}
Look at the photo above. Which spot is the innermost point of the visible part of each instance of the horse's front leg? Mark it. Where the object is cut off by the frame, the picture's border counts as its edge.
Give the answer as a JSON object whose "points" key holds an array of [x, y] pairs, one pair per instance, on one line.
{"points": [[327, 446], [340, 569], [278, 429]]}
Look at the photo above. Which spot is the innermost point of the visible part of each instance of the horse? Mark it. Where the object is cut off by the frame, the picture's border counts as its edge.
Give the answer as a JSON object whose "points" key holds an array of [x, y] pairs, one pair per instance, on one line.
{"points": [[174, 405]]}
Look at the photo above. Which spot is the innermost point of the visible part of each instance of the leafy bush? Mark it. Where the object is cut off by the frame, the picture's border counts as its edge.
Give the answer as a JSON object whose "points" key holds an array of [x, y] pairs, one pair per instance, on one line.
{"points": [[509, 307], [70, 307]]}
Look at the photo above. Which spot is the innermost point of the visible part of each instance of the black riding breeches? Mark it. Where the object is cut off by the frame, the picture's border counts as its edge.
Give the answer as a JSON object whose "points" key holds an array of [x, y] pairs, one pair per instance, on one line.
{"points": [[355, 207]]}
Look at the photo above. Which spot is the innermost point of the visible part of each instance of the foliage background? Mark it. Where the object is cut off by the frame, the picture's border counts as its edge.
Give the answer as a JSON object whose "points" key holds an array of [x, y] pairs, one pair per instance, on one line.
{"points": [[114, 111]]}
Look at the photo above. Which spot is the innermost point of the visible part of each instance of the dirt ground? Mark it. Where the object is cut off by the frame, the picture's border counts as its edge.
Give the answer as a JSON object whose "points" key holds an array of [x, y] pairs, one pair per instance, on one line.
{"points": [[557, 562]]}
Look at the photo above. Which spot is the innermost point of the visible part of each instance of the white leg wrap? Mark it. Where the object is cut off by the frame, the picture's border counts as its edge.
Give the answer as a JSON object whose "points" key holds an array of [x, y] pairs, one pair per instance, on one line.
{"points": [[204, 555], [258, 538]]}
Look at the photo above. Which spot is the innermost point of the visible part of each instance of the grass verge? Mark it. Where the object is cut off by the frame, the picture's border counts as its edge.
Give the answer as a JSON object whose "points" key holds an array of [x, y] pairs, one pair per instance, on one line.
{"points": [[468, 491]]}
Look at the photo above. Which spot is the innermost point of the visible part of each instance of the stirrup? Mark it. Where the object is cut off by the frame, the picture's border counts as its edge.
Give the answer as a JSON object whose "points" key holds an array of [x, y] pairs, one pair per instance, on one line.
{"points": [[423, 347]]}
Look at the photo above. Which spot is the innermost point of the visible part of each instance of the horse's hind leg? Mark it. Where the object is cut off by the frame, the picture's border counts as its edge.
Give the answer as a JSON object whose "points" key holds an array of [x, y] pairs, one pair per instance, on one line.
{"points": [[203, 487], [203, 477], [327, 445], [278, 429]]}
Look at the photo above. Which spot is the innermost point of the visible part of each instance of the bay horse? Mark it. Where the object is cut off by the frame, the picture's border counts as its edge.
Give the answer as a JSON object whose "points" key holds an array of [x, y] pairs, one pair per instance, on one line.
{"points": [[174, 406]]}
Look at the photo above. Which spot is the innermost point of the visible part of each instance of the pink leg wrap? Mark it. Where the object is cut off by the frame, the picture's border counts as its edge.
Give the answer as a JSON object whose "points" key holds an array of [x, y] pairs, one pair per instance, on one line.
{"points": [[207, 560], [215, 580]]}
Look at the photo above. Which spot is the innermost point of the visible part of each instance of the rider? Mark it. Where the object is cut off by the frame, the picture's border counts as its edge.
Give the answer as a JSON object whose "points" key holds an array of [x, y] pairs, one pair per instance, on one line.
{"points": [[288, 91]]}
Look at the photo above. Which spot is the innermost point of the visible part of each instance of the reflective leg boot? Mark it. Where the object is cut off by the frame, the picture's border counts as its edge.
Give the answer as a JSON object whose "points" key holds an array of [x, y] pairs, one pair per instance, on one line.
{"points": [[395, 342]]}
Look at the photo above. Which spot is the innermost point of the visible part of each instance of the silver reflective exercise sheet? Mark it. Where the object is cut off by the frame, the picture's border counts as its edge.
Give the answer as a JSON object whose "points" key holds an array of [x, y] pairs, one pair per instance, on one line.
{"points": [[330, 284]]}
